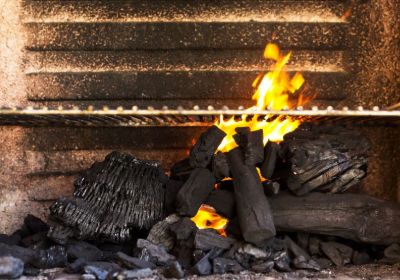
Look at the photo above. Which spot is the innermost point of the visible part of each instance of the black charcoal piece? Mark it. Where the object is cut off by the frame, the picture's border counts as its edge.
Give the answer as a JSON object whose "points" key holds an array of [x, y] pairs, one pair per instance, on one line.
{"points": [[55, 256], [391, 254], [282, 261], [83, 250], [295, 250], [252, 207], [131, 274], [34, 224], [203, 267], [252, 146], [223, 202], [173, 270], [76, 266], [133, 263], [35, 241], [338, 253], [171, 190], [205, 147], [303, 240], [101, 269], [254, 252], [157, 254], [263, 267], [267, 167], [314, 245], [183, 251], [61, 234], [194, 192], [317, 213], [361, 257], [11, 267], [302, 262], [207, 239], [223, 265], [183, 228], [31, 271], [13, 239], [220, 167], [323, 263], [113, 199], [24, 254], [181, 170], [271, 188], [160, 233]]}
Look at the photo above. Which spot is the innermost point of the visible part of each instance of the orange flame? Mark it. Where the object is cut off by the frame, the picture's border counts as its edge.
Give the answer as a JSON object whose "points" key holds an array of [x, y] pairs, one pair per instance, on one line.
{"points": [[207, 217], [272, 90]]}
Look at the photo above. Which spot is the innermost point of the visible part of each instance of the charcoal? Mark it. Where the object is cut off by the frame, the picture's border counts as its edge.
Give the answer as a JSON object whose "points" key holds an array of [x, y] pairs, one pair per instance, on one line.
{"points": [[267, 167], [360, 258], [252, 207], [113, 199], [391, 254], [154, 253], [24, 254], [174, 270], [295, 250], [194, 192], [31, 271], [11, 267], [220, 167], [101, 269], [207, 239], [339, 254], [35, 225], [222, 265], [183, 251], [171, 190], [263, 267], [323, 263], [131, 274], [198, 255], [314, 245], [202, 267], [55, 256], [252, 146], [330, 159], [282, 261], [160, 233], [83, 250], [76, 266], [303, 240], [254, 252], [61, 234], [271, 188], [115, 248], [13, 239], [223, 202], [203, 151], [183, 228], [302, 262], [134, 263], [36, 241], [181, 170]]}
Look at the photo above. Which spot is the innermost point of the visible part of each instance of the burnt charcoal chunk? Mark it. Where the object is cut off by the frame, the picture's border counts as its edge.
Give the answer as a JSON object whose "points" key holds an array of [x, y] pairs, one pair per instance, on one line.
{"points": [[34, 224], [338, 253], [76, 266], [263, 267], [13, 239], [223, 202], [267, 167], [391, 254], [101, 269], [83, 250], [55, 256], [31, 271], [24, 254], [113, 199], [303, 239], [195, 192], [174, 270], [314, 245], [154, 253], [134, 263], [282, 261], [303, 263], [220, 167], [131, 274], [255, 252], [223, 265], [61, 234], [35, 241], [252, 145], [207, 239], [160, 233], [205, 147], [323, 263], [202, 267], [362, 257], [295, 250], [183, 229], [171, 190], [181, 170], [10, 267]]}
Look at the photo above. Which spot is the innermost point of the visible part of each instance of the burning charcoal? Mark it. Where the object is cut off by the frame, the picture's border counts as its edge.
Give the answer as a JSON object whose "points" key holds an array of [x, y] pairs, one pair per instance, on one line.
{"points": [[252, 207], [55, 256], [223, 202], [207, 239], [101, 269], [253, 251], [13, 239], [35, 225], [183, 228], [205, 147], [360, 258], [339, 254], [282, 262], [76, 266], [391, 254], [83, 250], [181, 170], [156, 254], [264, 267], [202, 267], [171, 190], [252, 146], [160, 233], [220, 167], [271, 188], [131, 274], [267, 167], [329, 159], [24, 254], [10, 267], [174, 270], [195, 192], [134, 263], [114, 198], [222, 265]]}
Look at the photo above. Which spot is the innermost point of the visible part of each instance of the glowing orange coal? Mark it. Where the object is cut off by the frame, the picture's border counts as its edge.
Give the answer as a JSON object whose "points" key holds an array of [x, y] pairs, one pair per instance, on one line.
{"points": [[207, 217], [272, 91]]}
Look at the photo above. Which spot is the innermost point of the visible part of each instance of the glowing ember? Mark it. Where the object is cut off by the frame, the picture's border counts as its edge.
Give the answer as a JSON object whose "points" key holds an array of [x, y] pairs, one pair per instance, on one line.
{"points": [[207, 217], [272, 90]]}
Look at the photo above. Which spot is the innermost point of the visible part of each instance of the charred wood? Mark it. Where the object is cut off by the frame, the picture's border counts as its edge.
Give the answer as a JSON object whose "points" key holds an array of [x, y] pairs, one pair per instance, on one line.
{"points": [[223, 202], [267, 167], [252, 145], [220, 167], [181, 170]]}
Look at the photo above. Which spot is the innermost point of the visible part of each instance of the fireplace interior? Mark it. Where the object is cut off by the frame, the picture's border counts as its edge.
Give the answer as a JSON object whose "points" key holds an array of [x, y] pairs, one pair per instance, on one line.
{"points": [[142, 139]]}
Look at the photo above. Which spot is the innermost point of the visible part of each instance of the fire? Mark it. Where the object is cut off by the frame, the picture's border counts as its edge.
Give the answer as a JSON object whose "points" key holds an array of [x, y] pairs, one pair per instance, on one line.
{"points": [[207, 217], [272, 91]]}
